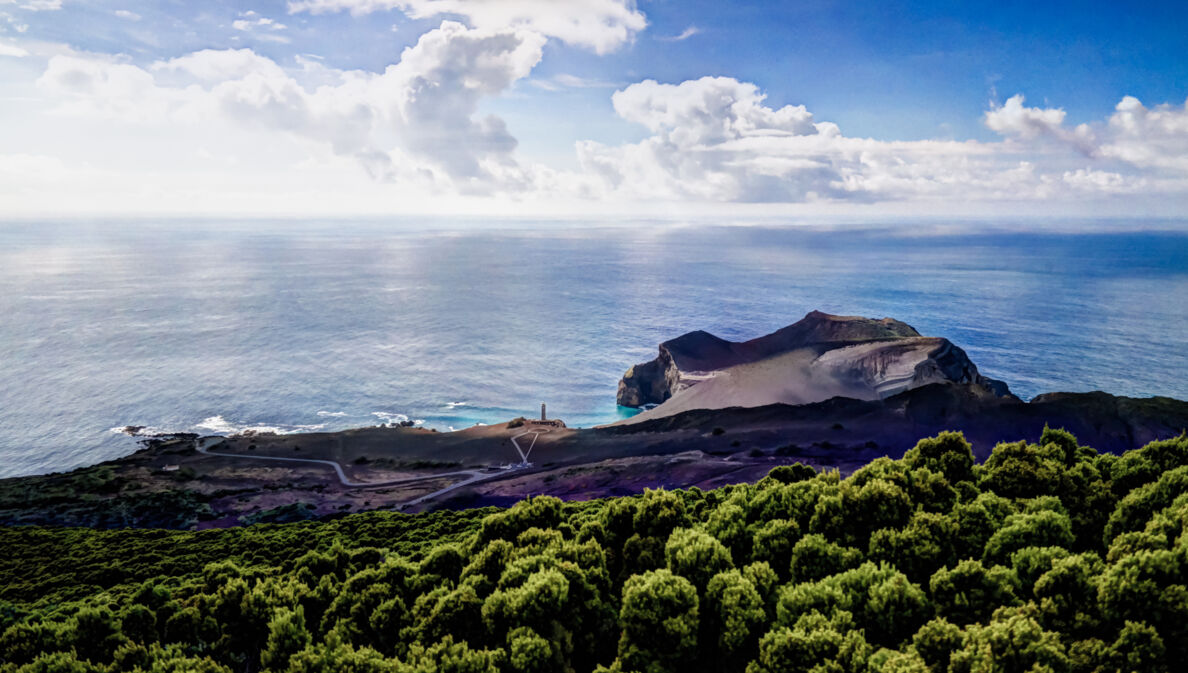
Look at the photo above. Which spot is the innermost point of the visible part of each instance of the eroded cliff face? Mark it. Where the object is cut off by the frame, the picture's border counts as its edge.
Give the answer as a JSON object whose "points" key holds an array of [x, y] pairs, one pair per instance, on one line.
{"points": [[651, 382], [816, 358]]}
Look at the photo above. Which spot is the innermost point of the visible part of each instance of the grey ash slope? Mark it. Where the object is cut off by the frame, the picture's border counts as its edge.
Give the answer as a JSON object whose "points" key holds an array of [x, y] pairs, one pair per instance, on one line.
{"points": [[817, 358]]}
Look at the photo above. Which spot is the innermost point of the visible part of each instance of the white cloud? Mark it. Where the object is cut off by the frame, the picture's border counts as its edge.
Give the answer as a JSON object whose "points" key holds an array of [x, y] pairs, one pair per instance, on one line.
{"points": [[234, 128], [260, 27], [126, 14], [251, 24], [217, 65], [567, 81], [1149, 138], [417, 120], [708, 110], [1014, 120], [35, 5], [13, 23], [714, 139], [684, 35], [31, 166], [12, 50], [601, 25]]}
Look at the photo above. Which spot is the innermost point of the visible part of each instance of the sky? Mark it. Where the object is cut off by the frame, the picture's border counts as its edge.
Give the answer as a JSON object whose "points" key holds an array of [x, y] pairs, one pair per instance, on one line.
{"points": [[593, 108]]}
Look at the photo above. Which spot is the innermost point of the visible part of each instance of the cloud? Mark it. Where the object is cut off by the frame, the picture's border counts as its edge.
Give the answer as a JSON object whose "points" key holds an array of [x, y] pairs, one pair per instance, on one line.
{"points": [[126, 14], [714, 139], [567, 81], [35, 5], [600, 25], [417, 120], [706, 110], [252, 24], [1148, 138], [260, 27], [13, 23], [1014, 120], [684, 35], [12, 50]]}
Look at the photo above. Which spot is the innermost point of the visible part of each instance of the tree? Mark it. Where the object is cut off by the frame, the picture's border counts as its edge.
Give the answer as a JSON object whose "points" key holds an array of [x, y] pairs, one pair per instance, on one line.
{"points": [[880, 599], [540, 512], [446, 656], [139, 624], [1067, 595], [1139, 648], [977, 521], [456, 613], [879, 503], [1038, 529], [732, 615], [1145, 465], [924, 545], [895, 609], [948, 454], [1065, 442], [25, 641], [287, 636], [60, 662], [969, 592], [696, 556], [1149, 586], [790, 474], [95, 634], [338, 657], [814, 557], [659, 619], [1030, 563], [936, 642], [728, 523], [528, 652], [813, 643], [1016, 643], [1134, 510], [1022, 470]]}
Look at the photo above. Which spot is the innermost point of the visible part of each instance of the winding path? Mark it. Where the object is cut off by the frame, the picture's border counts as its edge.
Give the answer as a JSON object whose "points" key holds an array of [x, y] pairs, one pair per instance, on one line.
{"points": [[203, 447]]}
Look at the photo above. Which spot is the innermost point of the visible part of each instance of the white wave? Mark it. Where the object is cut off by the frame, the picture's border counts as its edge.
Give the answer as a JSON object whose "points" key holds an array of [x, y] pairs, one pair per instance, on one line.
{"points": [[389, 417], [452, 405], [333, 414], [140, 430], [221, 426]]}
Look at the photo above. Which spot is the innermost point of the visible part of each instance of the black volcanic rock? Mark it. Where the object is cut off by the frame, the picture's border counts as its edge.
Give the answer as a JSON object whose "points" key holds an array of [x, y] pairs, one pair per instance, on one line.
{"points": [[1106, 422]]}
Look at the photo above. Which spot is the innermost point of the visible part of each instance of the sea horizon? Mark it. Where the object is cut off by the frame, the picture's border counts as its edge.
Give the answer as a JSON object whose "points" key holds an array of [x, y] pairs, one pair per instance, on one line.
{"points": [[227, 325]]}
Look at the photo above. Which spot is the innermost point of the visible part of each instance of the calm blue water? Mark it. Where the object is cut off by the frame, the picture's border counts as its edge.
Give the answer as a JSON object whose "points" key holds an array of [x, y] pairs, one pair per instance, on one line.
{"points": [[214, 327]]}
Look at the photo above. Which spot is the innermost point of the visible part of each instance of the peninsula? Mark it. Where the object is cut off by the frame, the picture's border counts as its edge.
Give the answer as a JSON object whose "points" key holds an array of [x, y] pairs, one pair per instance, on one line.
{"points": [[826, 391]]}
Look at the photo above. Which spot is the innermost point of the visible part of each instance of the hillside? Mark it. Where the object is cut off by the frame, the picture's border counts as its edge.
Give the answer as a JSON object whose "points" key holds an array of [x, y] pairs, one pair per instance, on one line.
{"points": [[1048, 556], [817, 358]]}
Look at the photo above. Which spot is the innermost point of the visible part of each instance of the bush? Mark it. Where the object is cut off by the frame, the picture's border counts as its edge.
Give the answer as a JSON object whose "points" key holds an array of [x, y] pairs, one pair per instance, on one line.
{"points": [[1049, 557]]}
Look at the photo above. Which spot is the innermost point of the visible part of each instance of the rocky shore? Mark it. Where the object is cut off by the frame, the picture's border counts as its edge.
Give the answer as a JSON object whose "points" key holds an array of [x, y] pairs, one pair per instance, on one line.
{"points": [[833, 392]]}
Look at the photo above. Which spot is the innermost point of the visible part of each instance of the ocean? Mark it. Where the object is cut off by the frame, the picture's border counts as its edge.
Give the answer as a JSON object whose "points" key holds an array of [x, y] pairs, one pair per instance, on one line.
{"points": [[297, 326]]}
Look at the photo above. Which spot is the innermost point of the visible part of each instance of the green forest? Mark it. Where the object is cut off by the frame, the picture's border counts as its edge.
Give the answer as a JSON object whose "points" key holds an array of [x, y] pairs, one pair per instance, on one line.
{"points": [[1047, 557]]}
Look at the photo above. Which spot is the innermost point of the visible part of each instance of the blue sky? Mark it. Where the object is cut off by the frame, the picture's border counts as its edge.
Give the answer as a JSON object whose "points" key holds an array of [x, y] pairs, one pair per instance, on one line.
{"points": [[756, 106]]}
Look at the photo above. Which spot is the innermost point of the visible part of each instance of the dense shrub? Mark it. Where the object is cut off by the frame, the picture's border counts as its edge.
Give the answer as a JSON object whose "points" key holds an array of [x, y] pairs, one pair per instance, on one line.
{"points": [[1048, 557]]}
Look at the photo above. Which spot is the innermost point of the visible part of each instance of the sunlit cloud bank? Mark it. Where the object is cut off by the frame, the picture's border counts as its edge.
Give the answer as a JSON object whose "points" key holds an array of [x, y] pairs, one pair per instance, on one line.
{"points": [[236, 130]]}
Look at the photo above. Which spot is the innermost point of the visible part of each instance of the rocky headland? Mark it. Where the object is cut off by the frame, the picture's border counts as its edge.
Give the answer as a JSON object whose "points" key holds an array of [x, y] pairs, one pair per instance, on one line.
{"points": [[831, 392], [822, 356]]}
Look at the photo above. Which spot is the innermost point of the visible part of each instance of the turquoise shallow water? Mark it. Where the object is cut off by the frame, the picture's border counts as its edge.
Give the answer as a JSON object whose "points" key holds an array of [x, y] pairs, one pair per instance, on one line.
{"points": [[219, 326]]}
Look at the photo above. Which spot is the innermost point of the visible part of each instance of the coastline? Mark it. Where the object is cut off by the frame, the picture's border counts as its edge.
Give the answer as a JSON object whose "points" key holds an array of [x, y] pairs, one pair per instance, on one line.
{"points": [[180, 482]]}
